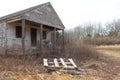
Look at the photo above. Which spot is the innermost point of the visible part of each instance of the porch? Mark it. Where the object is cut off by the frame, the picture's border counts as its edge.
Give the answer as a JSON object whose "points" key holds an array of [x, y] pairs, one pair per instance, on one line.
{"points": [[27, 36]]}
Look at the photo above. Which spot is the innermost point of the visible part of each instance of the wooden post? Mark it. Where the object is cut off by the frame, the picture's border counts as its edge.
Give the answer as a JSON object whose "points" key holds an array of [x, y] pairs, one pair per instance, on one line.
{"points": [[54, 37], [6, 38], [41, 36], [23, 36], [63, 38]]}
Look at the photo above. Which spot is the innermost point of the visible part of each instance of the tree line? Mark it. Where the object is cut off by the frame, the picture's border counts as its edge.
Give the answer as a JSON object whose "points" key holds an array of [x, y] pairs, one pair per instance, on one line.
{"points": [[96, 33]]}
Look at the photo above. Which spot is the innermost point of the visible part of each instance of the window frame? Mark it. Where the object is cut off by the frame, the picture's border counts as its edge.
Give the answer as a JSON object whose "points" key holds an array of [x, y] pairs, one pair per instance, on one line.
{"points": [[18, 32]]}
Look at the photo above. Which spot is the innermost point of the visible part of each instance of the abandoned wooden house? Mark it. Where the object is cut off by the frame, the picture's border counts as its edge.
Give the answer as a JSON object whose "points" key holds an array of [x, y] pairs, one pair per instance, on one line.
{"points": [[30, 29]]}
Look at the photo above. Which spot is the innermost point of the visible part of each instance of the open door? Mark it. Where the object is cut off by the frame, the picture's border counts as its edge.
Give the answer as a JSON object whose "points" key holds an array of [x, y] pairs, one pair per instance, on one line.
{"points": [[33, 37]]}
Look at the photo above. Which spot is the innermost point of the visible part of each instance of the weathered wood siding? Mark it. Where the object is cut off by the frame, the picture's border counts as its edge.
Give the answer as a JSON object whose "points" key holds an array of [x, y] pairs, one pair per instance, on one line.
{"points": [[15, 43], [46, 15], [3, 30]]}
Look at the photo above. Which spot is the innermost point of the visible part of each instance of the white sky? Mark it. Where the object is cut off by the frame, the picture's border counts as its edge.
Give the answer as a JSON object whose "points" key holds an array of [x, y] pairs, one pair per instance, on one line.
{"points": [[71, 12]]}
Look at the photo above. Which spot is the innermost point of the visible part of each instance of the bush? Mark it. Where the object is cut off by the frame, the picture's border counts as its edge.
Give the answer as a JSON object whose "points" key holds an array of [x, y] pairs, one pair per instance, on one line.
{"points": [[102, 41], [79, 51]]}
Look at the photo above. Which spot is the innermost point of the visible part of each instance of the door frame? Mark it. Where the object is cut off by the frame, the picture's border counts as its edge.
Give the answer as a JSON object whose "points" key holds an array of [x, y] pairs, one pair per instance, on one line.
{"points": [[33, 36]]}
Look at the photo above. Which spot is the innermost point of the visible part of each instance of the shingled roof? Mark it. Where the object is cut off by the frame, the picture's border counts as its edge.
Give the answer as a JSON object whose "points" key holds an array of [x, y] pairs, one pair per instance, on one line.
{"points": [[43, 14]]}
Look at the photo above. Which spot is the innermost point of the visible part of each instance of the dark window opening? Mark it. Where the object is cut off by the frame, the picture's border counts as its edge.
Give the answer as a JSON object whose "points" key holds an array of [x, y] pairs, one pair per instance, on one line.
{"points": [[18, 31], [33, 36], [44, 34]]}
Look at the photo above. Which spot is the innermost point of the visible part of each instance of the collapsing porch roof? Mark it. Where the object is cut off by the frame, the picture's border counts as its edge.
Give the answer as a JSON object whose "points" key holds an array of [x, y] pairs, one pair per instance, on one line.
{"points": [[43, 14]]}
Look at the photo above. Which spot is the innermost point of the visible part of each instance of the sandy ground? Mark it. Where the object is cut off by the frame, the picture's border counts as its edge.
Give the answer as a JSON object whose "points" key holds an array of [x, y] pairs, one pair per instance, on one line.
{"points": [[105, 68]]}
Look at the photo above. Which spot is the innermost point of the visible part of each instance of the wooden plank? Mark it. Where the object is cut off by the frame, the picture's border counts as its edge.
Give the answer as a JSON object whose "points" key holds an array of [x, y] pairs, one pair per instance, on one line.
{"points": [[72, 62], [56, 63], [70, 67], [45, 62], [68, 63], [62, 61], [13, 20], [51, 62]]}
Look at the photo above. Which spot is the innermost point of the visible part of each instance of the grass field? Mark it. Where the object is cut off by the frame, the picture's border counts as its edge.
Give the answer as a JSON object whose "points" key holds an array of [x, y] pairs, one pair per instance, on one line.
{"points": [[111, 50]]}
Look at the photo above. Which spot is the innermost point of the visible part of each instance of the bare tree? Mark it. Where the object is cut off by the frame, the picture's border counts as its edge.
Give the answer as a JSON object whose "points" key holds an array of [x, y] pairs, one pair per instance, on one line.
{"points": [[114, 28]]}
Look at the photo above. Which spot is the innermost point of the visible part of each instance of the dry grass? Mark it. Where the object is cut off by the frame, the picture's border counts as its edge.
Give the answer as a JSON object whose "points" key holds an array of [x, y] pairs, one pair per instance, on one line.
{"points": [[104, 68], [109, 47], [111, 50]]}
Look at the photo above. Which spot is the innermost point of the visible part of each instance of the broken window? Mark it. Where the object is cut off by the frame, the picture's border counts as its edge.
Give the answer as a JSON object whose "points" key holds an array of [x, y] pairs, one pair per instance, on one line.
{"points": [[18, 31]]}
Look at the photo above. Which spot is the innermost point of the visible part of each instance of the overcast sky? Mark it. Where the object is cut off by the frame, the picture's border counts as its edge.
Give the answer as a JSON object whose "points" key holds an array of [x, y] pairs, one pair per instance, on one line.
{"points": [[71, 12]]}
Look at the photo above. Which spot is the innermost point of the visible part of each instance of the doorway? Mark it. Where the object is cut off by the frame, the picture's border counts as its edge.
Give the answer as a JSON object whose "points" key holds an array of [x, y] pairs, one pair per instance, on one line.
{"points": [[33, 37]]}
